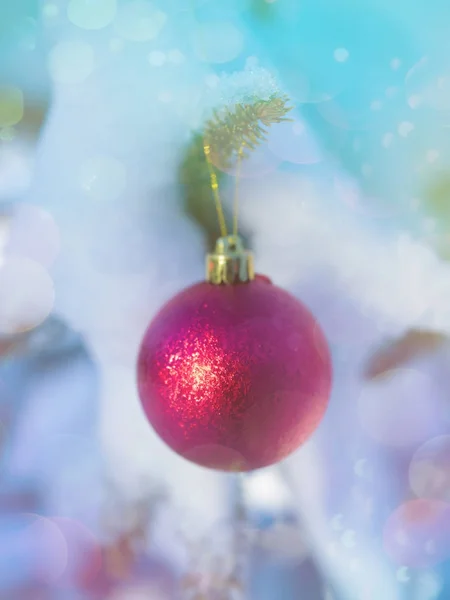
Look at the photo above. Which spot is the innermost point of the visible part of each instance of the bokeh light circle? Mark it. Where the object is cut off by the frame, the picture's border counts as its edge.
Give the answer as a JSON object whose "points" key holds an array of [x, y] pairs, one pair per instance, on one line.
{"points": [[139, 21], [341, 54], [397, 409], [428, 84], [417, 534], [50, 549], [50, 10], [293, 142], [71, 62], [87, 14], [33, 547], [103, 178], [84, 554], [33, 234], [218, 42], [11, 106], [429, 470], [26, 295]]}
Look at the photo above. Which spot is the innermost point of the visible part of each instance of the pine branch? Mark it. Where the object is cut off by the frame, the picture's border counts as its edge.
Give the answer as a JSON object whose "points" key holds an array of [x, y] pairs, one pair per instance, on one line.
{"points": [[243, 127]]}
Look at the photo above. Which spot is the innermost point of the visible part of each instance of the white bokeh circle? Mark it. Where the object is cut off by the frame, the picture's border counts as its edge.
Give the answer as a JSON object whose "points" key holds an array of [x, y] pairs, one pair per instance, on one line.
{"points": [[429, 470], [294, 143], [84, 555], [139, 21], [218, 41], [35, 545], [87, 14], [26, 295], [71, 62], [428, 84], [34, 234]]}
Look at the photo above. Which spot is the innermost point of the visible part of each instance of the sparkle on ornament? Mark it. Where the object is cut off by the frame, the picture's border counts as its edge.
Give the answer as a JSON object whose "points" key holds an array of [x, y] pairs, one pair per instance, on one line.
{"points": [[341, 55]]}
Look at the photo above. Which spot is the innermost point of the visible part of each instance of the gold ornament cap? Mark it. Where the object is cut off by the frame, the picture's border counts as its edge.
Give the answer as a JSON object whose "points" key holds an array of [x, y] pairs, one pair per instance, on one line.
{"points": [[230, 263]]}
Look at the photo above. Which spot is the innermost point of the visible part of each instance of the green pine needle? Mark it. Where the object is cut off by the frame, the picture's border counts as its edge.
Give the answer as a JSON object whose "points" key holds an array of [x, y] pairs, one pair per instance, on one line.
{"points": [[243, 127]]}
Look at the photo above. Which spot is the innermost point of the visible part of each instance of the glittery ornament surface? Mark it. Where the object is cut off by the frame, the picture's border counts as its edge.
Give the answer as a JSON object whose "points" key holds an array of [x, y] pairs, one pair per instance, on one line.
{"points": [[234, 377]]}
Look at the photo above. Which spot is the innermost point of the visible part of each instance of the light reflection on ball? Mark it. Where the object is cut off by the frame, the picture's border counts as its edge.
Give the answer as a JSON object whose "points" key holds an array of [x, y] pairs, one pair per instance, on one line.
{"points": [[91, 15], [26, 295], [139, 21], [71, 62], [397, 408], [103, 178], [429, 471], [417, 534], [218, 42], [33, 234]]}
